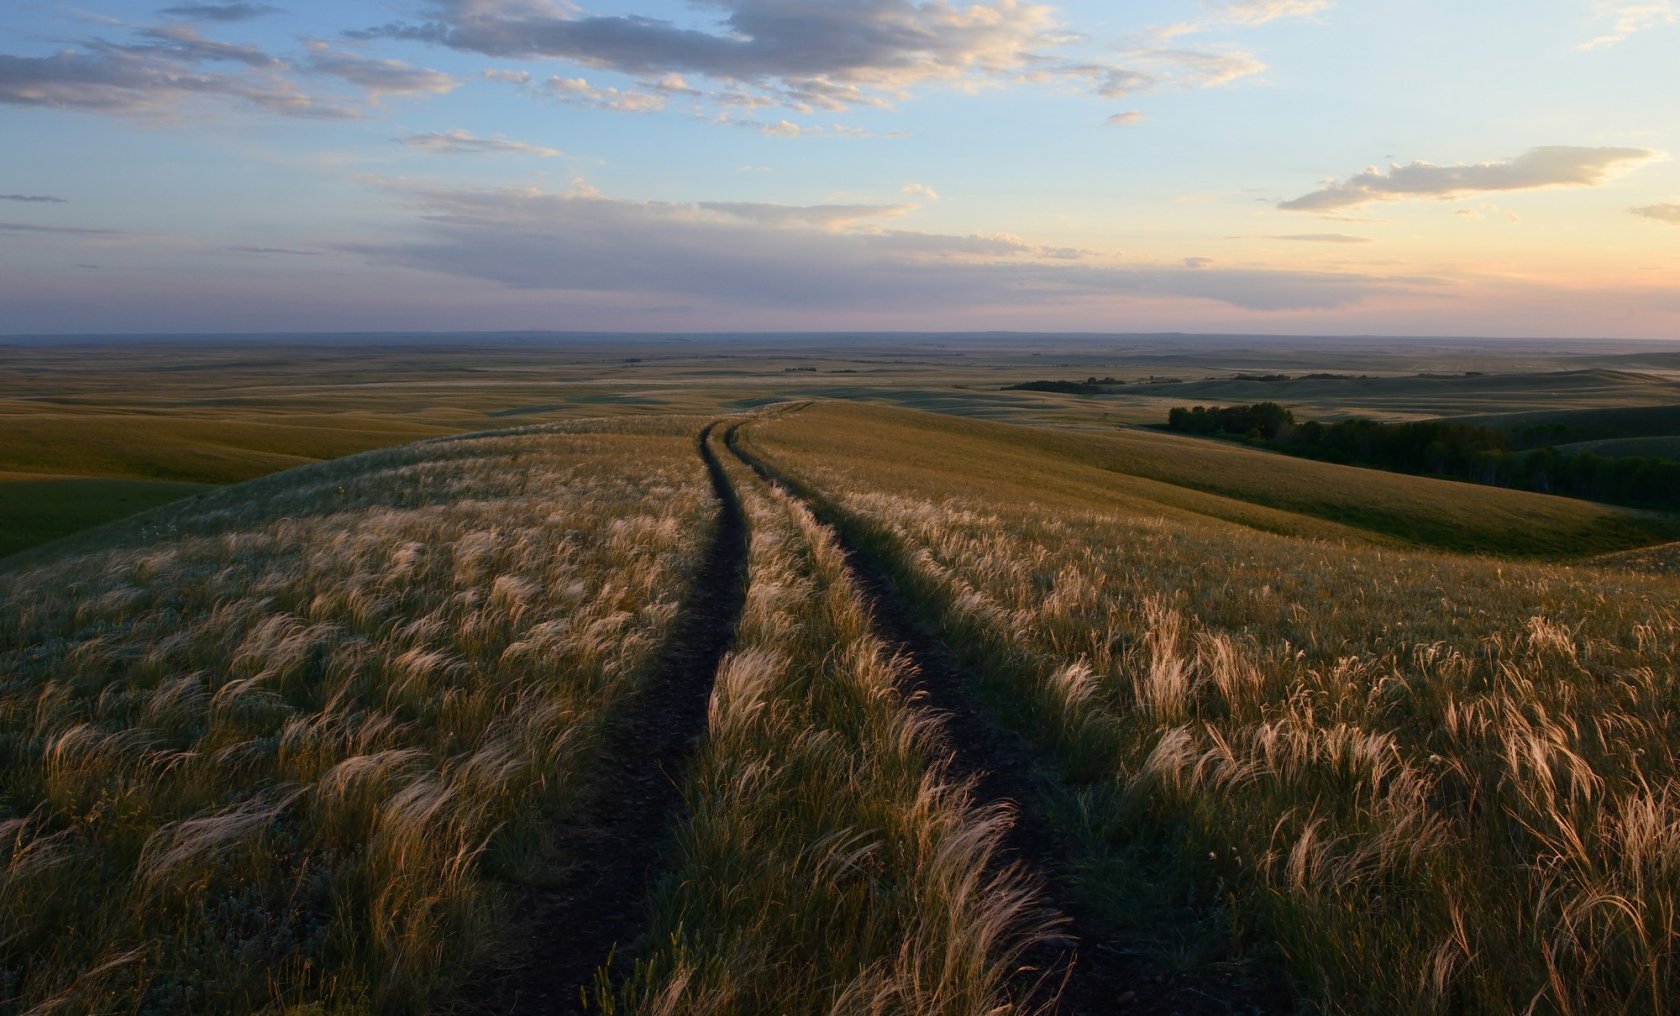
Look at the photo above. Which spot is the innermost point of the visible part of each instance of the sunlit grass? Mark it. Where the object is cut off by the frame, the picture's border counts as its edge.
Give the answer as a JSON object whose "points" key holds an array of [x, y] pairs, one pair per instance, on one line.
{"points": [[1430, 783], [279, 748], [829, 863]]}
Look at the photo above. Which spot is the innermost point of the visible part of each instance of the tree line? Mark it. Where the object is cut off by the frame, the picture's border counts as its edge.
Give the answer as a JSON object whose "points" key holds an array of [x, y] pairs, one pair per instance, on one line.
{"points": [[1457, 451]]}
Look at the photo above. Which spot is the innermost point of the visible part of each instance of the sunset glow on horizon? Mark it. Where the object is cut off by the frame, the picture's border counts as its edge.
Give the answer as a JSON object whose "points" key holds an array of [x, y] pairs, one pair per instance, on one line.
{"points": [[1270, 166]]}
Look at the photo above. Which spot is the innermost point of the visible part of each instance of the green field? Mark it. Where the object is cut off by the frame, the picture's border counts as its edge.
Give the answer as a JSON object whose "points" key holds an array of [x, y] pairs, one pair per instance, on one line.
{"points": [[1663, 447], [37, 509]]}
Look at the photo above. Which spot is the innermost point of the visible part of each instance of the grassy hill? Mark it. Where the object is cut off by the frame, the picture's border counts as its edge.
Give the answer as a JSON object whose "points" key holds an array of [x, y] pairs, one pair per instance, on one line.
{"points": [[284, 745], [1418, 782], [1147, 472], [1598, 424], [436, 728]]}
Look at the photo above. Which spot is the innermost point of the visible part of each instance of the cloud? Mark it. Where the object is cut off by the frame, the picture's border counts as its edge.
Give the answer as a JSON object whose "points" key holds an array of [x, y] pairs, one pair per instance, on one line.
{"points": [[890, 42], [1627, 19], [978, 245], [824, 216], [785, 128], [810, 55], [1551, 166], [1126, 119], [460, 142], [97, 234], [920, 190], [39, 199], [579, 92], [182, 43], [1149, 69], [756, 256], [1198, 264], [153, 79], [377, 77], [1662, 213], [1321, 238], [1195, 68], [1260, 12], [219, 12], [288, 251]]}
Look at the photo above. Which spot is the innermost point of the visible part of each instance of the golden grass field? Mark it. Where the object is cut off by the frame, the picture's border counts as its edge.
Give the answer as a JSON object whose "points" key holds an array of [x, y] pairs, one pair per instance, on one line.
{"points": [[277, 757], [830, 863], [1427, 782], [331, 734]]}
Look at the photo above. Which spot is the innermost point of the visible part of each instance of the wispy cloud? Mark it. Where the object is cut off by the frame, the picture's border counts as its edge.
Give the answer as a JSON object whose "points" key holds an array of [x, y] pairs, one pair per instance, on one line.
{"points": [[377, 77], [185, 45], [1126, 119], [218, 12], [1338, 238], [96, 234], [578, 91], [823, 216], [1628, 19], [1260, 12], [1661, 213], [785, 128], [162, 70], [460, 142], [37, 199], [920, 190], [1550, 166], [1321, 238], [154, 78], [757, 256], [265, 251]]}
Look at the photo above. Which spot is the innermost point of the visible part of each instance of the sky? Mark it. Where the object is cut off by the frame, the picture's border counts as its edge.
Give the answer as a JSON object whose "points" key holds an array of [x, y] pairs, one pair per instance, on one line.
{"points": [[1257, 166]]}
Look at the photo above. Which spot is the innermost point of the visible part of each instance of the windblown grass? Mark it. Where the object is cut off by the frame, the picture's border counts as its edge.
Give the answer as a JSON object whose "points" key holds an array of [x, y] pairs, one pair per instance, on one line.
{"points": [[1430, 783], [277, 750], [830, 862]]}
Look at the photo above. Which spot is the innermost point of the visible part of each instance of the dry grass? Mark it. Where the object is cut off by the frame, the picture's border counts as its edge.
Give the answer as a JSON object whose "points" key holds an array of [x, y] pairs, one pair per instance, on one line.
{"points": [[278, 752], [830, 863], [1430, 783]]}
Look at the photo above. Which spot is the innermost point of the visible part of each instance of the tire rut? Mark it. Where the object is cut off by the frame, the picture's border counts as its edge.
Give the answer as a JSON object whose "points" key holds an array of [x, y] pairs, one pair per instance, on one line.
{"points": [[598, 909], [1096, 973]]}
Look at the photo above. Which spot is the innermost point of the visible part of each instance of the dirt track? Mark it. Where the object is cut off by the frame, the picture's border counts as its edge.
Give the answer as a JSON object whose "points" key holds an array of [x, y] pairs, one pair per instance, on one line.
{"points": [[598, 908], [1097, 973]]}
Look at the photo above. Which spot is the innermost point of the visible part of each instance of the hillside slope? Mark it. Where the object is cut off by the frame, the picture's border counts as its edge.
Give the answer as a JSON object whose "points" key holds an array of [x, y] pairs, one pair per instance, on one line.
{"points": [[1151, 473], [283, 745], [1418, 782]]}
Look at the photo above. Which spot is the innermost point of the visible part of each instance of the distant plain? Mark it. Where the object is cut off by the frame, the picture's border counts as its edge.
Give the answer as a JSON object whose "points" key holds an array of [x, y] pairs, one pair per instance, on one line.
{"points": [[161, 414]]}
